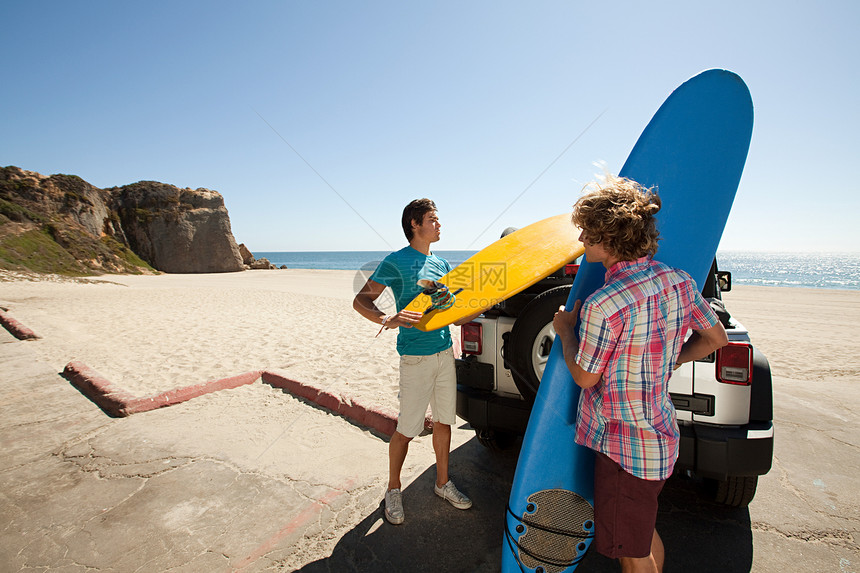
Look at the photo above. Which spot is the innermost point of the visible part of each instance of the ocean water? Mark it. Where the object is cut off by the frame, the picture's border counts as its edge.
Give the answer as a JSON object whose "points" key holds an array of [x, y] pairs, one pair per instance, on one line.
{"points": [[345, 260], [807, 270], [804, 270]]}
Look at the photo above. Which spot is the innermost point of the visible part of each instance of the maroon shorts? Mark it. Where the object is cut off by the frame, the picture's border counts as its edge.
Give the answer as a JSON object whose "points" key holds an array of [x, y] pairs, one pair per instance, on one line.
{"points": [[625, 510]]}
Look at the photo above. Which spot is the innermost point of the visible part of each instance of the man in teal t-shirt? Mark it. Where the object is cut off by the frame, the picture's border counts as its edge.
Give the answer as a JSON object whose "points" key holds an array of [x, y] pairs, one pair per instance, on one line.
{"points": [[427, 374], [401, 270]]}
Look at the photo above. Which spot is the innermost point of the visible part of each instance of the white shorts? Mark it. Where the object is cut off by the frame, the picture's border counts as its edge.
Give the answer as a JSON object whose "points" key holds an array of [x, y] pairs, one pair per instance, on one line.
{"points": [[427, 380]]}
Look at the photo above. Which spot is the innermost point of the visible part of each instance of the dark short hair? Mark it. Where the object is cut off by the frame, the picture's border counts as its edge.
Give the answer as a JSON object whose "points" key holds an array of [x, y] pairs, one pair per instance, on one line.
{"points": [[415, 211]]}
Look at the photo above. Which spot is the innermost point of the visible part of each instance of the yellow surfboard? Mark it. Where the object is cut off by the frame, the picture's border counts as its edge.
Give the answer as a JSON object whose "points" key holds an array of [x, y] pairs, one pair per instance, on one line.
{"points": [[501, 270]]}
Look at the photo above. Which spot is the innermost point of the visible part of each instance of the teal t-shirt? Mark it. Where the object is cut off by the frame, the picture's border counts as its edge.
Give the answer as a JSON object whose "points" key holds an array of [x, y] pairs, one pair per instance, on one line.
{"points": [[401, 271]]}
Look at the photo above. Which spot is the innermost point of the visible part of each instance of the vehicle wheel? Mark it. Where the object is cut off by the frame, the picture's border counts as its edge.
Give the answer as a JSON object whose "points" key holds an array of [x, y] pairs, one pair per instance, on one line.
{"points": [[736, 491], [527, 350], [495, 440]]}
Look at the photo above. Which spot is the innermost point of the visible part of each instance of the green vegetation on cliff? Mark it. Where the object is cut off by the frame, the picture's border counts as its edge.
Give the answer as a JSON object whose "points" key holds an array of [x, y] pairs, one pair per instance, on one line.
{"points": [[35, 250], [49, 242]]}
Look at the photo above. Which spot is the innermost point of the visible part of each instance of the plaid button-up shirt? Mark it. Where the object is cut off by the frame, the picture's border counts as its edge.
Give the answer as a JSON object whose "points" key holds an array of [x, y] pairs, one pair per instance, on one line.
{"points": [[632, 331]]}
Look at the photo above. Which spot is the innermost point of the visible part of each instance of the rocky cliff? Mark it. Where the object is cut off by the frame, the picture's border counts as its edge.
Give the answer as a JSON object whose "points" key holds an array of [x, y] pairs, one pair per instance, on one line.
{"points": [[177, 230], [63, 224]]}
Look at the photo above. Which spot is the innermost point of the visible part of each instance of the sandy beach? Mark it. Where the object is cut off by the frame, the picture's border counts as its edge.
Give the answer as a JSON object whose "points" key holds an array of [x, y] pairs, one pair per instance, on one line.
{"points": [[148, 334]]}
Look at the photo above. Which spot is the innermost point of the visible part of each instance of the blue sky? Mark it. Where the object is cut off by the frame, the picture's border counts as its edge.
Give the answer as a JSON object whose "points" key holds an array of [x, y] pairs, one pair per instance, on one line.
{"points": [[319, 120]]}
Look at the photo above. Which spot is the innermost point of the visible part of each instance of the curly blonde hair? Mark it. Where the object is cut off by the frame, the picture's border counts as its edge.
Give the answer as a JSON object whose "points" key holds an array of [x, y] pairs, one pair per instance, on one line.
{"points": [[619, 213]]}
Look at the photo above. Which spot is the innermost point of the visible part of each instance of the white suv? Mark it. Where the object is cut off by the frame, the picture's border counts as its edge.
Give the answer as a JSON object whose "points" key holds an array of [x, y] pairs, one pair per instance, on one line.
{"points": [[724, 402]]}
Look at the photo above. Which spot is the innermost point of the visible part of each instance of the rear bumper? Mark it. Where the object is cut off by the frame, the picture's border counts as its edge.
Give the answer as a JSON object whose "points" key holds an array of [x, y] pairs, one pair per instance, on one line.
{"points": [[719, 452], [487, 411], [481, 407]]}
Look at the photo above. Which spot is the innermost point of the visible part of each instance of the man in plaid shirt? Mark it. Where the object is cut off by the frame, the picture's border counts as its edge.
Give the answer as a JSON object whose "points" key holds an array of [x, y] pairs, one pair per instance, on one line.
{"points": [[631, 338]]}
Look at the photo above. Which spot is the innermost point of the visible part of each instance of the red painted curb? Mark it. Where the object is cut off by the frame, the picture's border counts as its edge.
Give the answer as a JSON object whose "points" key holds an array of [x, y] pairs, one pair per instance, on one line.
{"points": [[97, 388], [179, 395], [119, 403], [379, 419], [15, 328]]}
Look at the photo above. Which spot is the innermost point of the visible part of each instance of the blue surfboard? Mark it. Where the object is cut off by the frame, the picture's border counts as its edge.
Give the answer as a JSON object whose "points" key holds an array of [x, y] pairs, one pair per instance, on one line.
{"points": [[693, 151]]}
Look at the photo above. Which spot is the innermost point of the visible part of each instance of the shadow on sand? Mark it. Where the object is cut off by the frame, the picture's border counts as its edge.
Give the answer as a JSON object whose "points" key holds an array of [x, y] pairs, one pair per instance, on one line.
{"points": [[698, 535]]}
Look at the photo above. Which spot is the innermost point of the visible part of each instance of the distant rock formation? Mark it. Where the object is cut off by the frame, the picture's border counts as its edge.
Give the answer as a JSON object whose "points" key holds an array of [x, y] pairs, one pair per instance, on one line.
{"points": [[247, 256], [177, 230], [73, 227], [261, 263], [253, 263]]}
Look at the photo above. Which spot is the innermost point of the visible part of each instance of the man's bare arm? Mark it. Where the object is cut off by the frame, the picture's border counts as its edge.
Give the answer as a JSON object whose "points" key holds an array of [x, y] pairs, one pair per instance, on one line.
{"points": [[702, 343], [364, 304], [565, 328]]}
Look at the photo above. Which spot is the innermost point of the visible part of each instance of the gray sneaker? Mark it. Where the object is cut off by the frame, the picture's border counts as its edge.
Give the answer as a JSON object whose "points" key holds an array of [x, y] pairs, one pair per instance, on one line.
{"points": [[454, 496], [394, 506]]}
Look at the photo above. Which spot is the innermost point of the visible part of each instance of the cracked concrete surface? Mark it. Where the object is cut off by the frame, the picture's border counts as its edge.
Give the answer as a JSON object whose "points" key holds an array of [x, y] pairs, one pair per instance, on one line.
{"points": [[235, 481], [253, 479]]}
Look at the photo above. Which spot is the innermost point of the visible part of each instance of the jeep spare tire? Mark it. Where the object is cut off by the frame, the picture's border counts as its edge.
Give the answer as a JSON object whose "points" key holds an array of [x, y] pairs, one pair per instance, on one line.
{"points": [[527, 350]]}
